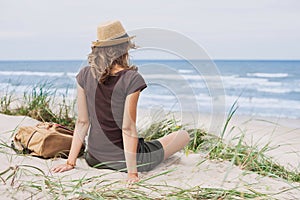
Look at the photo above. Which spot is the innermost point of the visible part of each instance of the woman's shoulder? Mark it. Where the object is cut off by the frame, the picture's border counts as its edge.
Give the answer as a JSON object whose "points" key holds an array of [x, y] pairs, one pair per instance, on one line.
{"points": [[83, 75], [133, 81], [131, 73], [84, 69]]}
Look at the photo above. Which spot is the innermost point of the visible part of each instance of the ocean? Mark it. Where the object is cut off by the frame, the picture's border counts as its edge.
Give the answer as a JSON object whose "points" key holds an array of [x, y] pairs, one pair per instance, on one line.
{"points": [[263, 88]]}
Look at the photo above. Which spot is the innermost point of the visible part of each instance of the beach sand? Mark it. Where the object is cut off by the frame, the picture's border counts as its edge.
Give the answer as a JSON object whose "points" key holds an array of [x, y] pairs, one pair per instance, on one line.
{"points": [[186, 171]]}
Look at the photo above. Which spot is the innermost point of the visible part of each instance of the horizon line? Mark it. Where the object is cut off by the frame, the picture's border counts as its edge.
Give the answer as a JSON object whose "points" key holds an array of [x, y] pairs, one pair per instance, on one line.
{"points": [[226, 59]]}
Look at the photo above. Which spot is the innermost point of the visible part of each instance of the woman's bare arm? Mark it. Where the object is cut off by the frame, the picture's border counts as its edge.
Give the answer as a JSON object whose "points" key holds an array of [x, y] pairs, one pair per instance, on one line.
{"points": [[130, 137], [81, 128]]}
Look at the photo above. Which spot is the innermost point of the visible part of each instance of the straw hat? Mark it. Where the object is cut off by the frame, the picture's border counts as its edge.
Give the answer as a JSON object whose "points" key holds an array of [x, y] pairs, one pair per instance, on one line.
{"points": [[111, 33]]}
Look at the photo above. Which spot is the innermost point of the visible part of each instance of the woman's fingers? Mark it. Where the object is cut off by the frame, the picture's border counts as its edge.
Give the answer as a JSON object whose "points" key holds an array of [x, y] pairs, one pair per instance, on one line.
{"points": [[61, 168], [130, 182]]}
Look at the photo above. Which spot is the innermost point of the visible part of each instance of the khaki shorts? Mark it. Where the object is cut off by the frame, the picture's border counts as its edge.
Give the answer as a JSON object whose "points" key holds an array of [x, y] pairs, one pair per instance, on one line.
{"points": [[149, 155]]}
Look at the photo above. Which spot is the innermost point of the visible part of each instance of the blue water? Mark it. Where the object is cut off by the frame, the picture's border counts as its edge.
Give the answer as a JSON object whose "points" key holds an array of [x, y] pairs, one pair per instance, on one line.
{"points": [[265, 88]]}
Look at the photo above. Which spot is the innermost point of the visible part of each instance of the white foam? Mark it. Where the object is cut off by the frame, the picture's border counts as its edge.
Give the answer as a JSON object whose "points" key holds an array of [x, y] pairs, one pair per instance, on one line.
{"points": [[71, 74], [172, 77], [28, 73], [269, 75], [229, 81], [242, 82], [20, 89], [244, 102], [275, 90], [226, 82], [263, 103], [13, 88], [185, 71]]}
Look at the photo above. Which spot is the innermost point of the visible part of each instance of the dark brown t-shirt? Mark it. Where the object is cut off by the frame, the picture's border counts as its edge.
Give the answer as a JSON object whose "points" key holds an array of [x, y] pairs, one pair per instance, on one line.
{"points": [[105, 103]]}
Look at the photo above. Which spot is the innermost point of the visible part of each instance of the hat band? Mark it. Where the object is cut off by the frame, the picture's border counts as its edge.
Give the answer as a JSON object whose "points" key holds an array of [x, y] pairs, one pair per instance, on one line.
{"points": [[123, 36]]}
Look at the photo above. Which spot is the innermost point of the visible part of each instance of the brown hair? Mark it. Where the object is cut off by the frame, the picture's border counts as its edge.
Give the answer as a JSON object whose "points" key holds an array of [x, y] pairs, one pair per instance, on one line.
{"points": [[103, 59]]}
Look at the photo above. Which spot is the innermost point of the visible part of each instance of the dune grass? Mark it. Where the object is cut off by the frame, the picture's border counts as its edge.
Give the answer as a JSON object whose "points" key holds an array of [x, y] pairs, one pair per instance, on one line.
{"points": [[101, 187], [249, 157], [246, 157], [252, 159], [39, 104], [5, 101]]}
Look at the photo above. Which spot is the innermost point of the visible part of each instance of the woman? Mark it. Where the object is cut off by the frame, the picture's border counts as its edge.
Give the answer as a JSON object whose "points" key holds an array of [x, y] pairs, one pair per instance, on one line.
{"points": [[107, 93]]}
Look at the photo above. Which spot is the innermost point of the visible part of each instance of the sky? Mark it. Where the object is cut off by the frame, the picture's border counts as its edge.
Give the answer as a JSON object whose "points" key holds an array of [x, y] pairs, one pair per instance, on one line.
{"points": [[231, 29]]}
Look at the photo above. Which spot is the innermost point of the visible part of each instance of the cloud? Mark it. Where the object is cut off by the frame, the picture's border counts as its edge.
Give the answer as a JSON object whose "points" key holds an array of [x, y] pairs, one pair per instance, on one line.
{"points": [[16, 35]]}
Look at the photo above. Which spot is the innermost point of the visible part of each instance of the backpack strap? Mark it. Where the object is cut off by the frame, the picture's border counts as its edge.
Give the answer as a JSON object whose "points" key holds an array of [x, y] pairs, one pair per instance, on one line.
{"points": [[26, 147]]}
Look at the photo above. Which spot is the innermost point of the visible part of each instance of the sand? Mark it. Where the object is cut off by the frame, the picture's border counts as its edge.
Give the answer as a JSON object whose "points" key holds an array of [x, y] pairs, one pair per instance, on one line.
{"points": [[188, 170]]}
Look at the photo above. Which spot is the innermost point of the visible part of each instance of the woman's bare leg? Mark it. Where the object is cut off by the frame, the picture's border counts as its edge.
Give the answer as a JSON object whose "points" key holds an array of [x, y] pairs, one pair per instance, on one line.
{"points": [[174, 142]]}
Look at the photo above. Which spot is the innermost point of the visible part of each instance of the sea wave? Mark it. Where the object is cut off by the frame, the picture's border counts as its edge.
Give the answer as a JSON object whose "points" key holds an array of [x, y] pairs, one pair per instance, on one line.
{"points": [[276, 90], [9, 88], [185, 71], [28, 73], [226, 81], [234, 80], [242, 82], [244, 102], [268, 75], [264, 103]]}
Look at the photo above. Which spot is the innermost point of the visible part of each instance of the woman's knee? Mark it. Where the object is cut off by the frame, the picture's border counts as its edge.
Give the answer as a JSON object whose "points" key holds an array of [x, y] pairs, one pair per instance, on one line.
{"points": [[184, 136], [178, 139]]}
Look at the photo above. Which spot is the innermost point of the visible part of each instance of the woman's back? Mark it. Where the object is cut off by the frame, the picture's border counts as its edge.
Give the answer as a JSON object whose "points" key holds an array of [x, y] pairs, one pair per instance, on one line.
{"points": [[105, 103]]}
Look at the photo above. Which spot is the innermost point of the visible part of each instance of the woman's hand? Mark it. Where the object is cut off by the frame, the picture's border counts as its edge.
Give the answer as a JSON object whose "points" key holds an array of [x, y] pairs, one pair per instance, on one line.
{"points": [[131, 179], [62, 168]]}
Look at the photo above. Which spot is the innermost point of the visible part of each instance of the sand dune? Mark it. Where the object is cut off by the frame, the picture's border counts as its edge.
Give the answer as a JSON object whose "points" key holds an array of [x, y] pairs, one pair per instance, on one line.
{"points": [[186, 170]]}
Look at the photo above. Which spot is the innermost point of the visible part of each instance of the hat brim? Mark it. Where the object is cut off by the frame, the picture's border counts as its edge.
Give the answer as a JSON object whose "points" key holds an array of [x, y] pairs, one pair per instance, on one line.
{"points": [[106, 43]]}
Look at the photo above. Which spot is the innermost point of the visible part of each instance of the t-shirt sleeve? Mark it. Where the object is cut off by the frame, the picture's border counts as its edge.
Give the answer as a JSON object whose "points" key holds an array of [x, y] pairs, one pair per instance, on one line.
{"points": [[136, 83], [80, 77]]}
